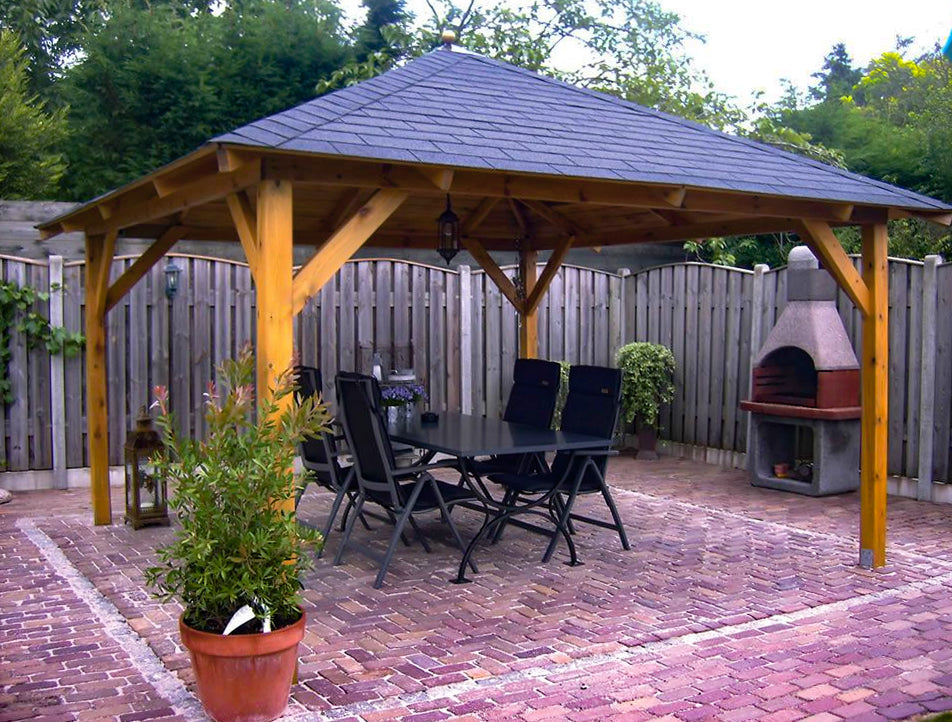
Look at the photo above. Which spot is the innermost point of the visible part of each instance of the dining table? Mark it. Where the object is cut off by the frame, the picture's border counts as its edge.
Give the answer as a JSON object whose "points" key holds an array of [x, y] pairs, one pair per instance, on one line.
{"points": [[469, 436]]}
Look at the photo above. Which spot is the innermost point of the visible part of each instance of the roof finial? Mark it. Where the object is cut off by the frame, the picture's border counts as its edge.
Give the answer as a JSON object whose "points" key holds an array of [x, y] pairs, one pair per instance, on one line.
{"points": [[448, 38]]}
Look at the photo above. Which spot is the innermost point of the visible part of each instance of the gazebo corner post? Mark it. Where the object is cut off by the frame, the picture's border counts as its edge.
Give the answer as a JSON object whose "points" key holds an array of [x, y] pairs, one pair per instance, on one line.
{"points": [[875, 397], [274, 283], [528, 316], [99, 252]]}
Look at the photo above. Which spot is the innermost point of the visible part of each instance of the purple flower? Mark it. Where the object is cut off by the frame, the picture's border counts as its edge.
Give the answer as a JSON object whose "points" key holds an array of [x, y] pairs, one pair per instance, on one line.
{"points": [[402, 394]]}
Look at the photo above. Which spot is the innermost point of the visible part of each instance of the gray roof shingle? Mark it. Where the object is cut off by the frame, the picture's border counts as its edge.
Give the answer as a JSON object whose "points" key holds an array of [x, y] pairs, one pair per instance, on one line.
{"points": [[465, 110]]}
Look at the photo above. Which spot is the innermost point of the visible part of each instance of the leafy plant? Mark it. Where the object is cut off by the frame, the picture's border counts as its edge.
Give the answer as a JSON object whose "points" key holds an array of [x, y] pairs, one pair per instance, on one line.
{"points": [[564, 367], [15, 315], [402, 394], [647, 380], [239, 543]]}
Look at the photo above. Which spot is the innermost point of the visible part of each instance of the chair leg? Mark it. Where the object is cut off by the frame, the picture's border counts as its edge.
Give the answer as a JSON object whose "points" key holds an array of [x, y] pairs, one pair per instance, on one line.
{"points": [[393, 520], [509, 499], [329, 524], [397, 533], [350, 528], [562, 526], [615, 515], [419, 534]]}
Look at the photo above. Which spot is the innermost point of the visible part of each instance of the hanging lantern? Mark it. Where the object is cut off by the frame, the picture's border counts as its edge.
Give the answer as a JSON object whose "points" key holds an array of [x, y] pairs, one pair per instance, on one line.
{"points": [[171, 279], [448, 230], [146, 492]]}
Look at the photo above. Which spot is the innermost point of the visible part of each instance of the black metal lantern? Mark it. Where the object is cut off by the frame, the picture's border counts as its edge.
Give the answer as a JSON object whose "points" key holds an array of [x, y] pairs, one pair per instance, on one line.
{"points": [[448, 230], [146, 492], [171, 279]]}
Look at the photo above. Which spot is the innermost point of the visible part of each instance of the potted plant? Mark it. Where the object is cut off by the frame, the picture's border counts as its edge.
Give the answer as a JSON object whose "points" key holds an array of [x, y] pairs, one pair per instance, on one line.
{"points": [[402, 397], [647, 382], [238, 548]]}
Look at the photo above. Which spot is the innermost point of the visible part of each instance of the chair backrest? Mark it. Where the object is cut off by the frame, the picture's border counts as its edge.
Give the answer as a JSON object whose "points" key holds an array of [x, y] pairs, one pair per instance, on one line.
{"points": [[367, 437], [317, 453], [535, 389], [376, 396], [591, 407]]}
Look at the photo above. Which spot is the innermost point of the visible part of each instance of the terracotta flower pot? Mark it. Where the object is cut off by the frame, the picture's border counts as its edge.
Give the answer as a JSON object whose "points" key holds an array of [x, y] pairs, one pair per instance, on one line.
{"points": [[244, 677]]}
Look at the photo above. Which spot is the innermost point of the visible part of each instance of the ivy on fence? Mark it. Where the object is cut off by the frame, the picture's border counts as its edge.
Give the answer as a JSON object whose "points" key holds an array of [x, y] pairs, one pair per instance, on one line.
{"points": [[16, 303]]}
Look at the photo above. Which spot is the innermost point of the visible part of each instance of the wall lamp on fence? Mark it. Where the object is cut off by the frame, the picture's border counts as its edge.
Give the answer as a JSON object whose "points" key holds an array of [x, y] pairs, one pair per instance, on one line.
{"points": [[448, 230], [171, 279]]}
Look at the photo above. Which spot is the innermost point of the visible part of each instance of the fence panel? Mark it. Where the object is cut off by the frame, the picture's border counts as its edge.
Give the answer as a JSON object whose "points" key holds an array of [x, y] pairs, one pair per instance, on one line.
{"points": [[412, 314]]}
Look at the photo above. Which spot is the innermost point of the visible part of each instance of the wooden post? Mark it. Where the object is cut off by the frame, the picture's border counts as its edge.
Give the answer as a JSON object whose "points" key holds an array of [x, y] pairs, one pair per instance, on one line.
{"points": [[273, 282], [99, 251], [875, 398], [57, 377], [927, 389], [756, 335], [466, 339], [528, 318], [617, 311]]}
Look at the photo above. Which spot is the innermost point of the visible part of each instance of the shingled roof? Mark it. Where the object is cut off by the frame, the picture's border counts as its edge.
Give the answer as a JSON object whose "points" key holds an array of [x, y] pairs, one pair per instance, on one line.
{"points": [[468, 111]]}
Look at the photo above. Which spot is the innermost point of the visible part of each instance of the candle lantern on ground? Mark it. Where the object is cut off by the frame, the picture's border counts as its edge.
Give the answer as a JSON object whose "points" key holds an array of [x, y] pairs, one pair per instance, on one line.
{"points": [[146, 492]]}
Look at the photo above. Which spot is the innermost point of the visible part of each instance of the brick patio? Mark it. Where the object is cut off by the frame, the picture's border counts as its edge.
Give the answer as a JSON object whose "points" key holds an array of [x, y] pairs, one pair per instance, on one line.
{"points": [[735, 603]]}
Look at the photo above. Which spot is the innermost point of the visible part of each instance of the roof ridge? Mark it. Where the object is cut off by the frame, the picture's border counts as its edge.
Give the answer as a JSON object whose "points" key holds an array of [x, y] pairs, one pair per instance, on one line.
{"points": [[760, 146]]}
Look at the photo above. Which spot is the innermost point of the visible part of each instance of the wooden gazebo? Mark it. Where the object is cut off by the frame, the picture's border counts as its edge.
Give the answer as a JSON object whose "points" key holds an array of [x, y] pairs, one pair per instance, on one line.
{"points": [[563, 166]]}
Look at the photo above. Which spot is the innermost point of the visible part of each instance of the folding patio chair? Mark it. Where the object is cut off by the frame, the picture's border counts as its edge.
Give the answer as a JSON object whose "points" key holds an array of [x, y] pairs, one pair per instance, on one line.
{"points": [[400, 491], [322, 457], [532, 400], [591, 407]]}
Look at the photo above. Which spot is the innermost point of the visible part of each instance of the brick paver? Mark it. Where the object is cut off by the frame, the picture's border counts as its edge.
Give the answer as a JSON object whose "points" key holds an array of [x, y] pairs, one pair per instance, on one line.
{"points": [[734, 603]]}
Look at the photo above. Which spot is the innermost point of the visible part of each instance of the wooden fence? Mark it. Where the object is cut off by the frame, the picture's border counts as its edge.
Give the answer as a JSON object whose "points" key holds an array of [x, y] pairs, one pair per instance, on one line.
{"points": [[460, 336]]}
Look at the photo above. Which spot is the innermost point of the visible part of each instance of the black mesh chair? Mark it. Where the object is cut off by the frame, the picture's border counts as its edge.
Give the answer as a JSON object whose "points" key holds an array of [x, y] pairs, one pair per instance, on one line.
{"points": [[322, 456], [591, 407], [401, 491], [532, 400]]}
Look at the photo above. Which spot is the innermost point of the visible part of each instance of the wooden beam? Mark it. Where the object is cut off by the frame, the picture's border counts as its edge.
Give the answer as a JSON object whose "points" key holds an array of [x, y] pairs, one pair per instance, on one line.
{"points": [[343, 244], [665, 234], [441, 178], [528, 318], [819, 237], [565, 225], [99, 253], [534, 298], [492, 269], [522, 218], [756, 205], [349, 202], [875, 398], [246, 225], [142, 264], [477, 216], [202, 191]]}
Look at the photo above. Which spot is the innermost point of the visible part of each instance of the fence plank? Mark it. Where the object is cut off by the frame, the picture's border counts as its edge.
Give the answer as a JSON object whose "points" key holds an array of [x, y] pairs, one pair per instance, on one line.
{"points": [[556, 297], [181, 373], [479, 360], [510, 344], [586, 335], [928, 403], [571, 345], [418, 317], [915, 371], [466, 332], [716, 401], [678, 312], [704, 366], [348, 321], [732, 336], [201, 342], [943, 363], [452, 341], [73, 315], [493, 348], [436, 371], [402, 300], [692, 286], [116, 355], [383, 314], [365, 316]]}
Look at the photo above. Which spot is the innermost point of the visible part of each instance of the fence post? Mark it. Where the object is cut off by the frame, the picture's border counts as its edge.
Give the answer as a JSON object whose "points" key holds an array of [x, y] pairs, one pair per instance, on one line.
{"points": [[624, 273], [466, 339], [756, 335], [616, 314], [927, 378], [57, 378]]}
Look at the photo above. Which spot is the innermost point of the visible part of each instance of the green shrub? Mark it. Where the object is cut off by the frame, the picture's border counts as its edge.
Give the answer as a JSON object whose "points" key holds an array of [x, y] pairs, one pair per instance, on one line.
{"points": [[239, 543], [647, 380]]}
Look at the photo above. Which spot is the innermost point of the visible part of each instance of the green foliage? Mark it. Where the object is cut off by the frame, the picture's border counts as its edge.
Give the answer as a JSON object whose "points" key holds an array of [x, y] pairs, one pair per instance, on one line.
{"points": [[155, 83], [30, 166], [564, 367], [647, 380], [238, 543], [369, 37], [16, 314]]}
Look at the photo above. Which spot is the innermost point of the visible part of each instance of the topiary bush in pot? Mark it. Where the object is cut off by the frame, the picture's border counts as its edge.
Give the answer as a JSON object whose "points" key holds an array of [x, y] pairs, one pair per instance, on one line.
{"points": [[239, 544], [647, 383]]}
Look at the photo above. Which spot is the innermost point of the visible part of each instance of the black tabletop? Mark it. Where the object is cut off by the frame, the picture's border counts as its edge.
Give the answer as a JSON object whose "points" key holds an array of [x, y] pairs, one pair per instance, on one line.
{"points": [[468, 436]]}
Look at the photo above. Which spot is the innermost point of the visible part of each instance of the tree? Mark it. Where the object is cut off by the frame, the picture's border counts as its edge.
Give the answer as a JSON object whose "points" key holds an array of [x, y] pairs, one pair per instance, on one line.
{"points": [[370, 38], [30, 166], [837, 77], [155, 82]]}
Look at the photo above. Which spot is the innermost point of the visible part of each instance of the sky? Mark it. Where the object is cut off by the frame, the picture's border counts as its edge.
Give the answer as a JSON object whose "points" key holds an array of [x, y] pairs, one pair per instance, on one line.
{"points": [[752, 44]]}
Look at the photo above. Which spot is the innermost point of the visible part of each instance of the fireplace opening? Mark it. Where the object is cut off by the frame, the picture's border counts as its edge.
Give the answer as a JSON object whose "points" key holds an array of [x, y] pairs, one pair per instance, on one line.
{"points": [[786, 376]]}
